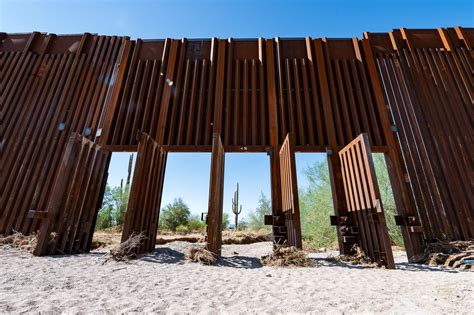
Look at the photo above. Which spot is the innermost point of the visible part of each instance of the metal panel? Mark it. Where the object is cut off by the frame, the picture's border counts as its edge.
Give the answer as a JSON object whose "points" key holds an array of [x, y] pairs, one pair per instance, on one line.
{"points": [[216, 196], [55, 86], [427, 76], [363, 200], [75, 200], [145, 193], [289, 192]]}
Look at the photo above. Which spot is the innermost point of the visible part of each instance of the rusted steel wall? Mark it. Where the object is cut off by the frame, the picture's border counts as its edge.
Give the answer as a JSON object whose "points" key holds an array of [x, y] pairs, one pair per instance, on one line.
{"points": [[411, 91], [216, 196], [428, 80], [51, 86], [76, 197], [364, 202], [289, 192], [183, 90], [145, 194]]}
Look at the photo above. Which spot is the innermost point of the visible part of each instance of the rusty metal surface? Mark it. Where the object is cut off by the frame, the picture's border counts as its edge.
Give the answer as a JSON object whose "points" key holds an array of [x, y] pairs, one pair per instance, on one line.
{"points": [[428, 79], [216, 196], [145, 193], [289, 192], [363, 201], [75, 200], [51, 87], [411, 91]]}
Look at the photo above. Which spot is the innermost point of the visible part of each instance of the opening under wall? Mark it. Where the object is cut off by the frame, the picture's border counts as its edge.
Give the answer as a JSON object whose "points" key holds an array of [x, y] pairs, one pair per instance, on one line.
{"points": [[388, 200], [251, 171], [111, 215], [185, 192], [315, 200]]}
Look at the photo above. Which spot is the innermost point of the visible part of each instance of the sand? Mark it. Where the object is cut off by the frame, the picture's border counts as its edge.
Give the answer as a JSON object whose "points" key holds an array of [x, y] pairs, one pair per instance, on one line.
{"points": [[164, 282]]}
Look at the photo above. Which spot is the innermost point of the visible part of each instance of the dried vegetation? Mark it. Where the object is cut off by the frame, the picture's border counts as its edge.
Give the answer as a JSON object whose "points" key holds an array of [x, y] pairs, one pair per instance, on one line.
{"points": [[284, 256], [201, 255], [19, 241]]}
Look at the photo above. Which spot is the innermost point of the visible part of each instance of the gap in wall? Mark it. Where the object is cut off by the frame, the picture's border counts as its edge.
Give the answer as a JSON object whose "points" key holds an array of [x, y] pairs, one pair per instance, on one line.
{"points": [[316, 201], [185, 192], [252, 172], [109, 223]]}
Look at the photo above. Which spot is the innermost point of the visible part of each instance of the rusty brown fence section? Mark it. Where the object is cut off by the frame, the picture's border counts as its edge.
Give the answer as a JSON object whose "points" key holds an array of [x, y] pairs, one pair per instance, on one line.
{"points": [[410, 91], [145, 194], [289, 192], [428, 81], [363, 201], [51, 87], [76, 197], [216, 196]]}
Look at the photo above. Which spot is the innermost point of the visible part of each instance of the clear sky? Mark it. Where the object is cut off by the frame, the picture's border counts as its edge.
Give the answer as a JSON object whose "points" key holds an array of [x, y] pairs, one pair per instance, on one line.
{"points": [[188, 174]]}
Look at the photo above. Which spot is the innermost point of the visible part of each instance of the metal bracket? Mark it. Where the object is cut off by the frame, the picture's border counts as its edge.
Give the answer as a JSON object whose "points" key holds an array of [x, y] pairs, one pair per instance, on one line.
{"points": [[274, 219], [339, 220], [269, 151], [407, 220]]}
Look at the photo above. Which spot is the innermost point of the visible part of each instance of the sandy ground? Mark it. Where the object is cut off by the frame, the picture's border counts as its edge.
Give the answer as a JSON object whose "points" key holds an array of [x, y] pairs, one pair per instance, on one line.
{"points": [[164, 282]]}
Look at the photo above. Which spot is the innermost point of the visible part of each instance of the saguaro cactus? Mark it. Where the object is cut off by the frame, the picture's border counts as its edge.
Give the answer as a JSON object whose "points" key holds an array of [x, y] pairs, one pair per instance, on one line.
{"points": [[235, 206]]}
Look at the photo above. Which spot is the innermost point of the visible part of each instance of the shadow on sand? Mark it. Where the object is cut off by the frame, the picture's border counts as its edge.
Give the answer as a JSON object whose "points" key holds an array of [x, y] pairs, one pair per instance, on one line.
{"points": [[165, 255], [404, 266], [239, 262]]}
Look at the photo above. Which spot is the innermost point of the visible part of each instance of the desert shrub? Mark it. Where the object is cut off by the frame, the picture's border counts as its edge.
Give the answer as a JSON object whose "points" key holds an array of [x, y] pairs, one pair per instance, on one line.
{"points": [[256, 219], [388, 200], [174, 214], [196, 225], [114, 206], [316, 205], [225, 220], [182, 229]]}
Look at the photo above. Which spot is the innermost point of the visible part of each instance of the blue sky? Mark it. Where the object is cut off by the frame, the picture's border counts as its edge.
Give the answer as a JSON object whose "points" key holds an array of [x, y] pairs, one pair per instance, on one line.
{"points": [[188, 174]]}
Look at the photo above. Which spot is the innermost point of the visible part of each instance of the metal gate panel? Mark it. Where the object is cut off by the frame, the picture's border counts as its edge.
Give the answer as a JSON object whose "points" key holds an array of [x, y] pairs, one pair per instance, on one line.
{"points": [[289, 192], [363, 200], [216, 196], [68, 223], [145, 193]]}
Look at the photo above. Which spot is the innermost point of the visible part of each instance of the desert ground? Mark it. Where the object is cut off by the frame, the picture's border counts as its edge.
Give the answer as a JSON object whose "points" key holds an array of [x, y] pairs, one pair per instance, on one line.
{"points": [[164, 281]]}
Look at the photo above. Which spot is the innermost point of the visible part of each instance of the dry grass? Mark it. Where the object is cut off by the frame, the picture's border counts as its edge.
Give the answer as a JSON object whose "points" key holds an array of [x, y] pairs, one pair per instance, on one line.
{"points": [[19, 241], [231, 237], [127, 250], [284, 256], [440, 252], [357, 258], [201, 255]]}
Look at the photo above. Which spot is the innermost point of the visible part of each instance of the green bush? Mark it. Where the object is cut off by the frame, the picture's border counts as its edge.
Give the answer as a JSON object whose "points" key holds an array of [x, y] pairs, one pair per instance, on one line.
{"points": [[196, 225], [182, 229], [114, 206], [256, 219], [316, 205], [174, 214], [388, 201]]}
